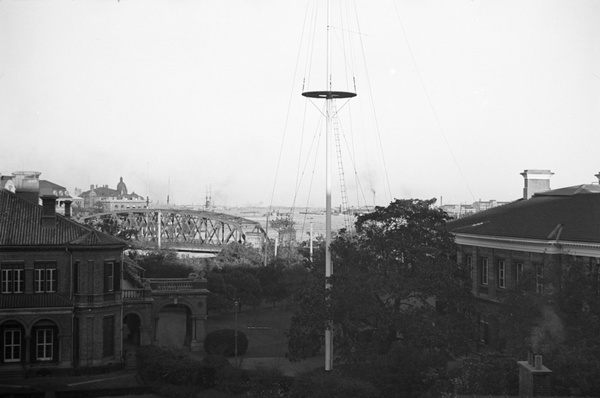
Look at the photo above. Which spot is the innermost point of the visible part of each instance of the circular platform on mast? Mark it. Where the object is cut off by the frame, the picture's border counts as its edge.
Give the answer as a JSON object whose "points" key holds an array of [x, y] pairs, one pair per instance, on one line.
{"points": [[328, 94]]}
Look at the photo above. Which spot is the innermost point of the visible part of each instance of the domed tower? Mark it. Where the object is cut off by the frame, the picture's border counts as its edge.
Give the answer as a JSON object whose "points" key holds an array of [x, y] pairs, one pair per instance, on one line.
{"points": [[121, 188]]}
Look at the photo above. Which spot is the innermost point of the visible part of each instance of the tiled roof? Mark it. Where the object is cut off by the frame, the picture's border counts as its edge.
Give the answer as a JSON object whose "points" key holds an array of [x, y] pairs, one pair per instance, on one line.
{"points": [[50, 188], [21, 225], [36, 300], [576, 209]]}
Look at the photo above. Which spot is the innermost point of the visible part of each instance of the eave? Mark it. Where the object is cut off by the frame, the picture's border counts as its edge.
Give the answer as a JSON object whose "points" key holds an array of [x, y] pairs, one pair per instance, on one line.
{"points": [[587, 249]]}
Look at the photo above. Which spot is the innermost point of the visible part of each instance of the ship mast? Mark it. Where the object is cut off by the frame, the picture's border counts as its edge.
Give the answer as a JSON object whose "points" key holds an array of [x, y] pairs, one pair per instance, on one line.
{"points": [[328, 95]]}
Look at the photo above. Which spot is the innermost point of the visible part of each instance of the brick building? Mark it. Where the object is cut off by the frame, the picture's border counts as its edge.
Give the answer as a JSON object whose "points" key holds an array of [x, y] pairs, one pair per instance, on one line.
{"points": [[69, 296], [532, 233], [60, 282]]}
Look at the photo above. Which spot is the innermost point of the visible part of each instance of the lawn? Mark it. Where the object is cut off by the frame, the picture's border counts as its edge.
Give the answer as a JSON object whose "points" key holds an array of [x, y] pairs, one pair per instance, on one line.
{"points": [[264, 327]]}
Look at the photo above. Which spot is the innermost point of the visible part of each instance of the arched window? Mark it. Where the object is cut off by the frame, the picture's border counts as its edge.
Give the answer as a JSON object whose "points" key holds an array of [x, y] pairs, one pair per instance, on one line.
{"points": [[44, 342]]}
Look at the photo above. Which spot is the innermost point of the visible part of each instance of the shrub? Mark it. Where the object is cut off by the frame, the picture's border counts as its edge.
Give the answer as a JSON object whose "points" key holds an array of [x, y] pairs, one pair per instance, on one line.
{"points": [[334, 384], [222, 342], [156, 364], [268, 382]]}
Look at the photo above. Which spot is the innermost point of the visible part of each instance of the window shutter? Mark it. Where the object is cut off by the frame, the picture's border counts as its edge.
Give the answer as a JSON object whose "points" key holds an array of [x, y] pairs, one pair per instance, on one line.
{"points": [[106, 275], [76, 277], [117, 277]]}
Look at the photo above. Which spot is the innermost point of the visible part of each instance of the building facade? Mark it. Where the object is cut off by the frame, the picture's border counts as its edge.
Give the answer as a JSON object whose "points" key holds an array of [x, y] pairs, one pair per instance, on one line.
{"points": [[69, 296], [531, 234], [108, 199]]}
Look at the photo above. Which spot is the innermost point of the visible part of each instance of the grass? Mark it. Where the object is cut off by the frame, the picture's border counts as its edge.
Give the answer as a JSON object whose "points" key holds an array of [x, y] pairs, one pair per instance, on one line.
{"points": [[265, 328]]}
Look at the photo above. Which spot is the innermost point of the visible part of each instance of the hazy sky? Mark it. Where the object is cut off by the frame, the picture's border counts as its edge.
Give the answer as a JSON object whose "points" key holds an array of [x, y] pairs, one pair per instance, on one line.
{"points": [[455, 97]]}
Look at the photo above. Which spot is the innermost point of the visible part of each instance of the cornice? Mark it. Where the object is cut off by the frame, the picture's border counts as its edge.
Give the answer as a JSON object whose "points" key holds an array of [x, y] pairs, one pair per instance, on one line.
{"points": [[588, 249]]}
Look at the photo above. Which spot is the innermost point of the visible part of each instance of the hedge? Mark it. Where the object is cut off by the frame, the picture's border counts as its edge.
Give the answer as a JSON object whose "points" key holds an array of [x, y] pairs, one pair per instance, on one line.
{"points": [[222, 342]]}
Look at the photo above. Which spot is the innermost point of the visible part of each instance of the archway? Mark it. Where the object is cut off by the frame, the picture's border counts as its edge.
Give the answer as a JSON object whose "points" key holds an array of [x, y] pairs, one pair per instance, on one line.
{"points": [[174, 326]]}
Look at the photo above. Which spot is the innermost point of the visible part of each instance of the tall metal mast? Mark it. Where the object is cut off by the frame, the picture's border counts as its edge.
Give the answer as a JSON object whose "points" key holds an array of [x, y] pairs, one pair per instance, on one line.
{"points": [[328, 95]]}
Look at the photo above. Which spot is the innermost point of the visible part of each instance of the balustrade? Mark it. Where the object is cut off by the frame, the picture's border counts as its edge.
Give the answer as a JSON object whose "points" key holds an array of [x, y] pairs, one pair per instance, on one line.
{"points": [[171, 284], [96, 298]]}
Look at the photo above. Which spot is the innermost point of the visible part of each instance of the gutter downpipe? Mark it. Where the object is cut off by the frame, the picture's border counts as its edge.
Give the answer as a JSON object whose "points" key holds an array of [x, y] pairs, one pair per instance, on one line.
{"points": [[72, 285], [121, 286]]}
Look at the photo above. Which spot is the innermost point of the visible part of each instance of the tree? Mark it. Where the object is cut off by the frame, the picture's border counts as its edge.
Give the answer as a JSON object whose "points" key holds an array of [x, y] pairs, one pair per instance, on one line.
{"points": [[246, 285], [285, 230], [220, 295], [162, 265], [271, 281], [238, 255], [387, 279], [113, 227], [562, 323]]}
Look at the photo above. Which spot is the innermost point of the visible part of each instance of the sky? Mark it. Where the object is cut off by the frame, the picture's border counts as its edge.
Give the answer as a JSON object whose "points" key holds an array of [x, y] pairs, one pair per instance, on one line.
{"points": [[455, 98]]}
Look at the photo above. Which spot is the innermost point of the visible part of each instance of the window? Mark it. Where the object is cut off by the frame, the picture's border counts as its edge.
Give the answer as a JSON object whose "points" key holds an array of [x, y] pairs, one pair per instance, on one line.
{"points": [[44, 344], [502, 274], [539, 279], [109, 276], [12, 345], [469, 264], [108, 333], [13, 278], [44, 278], [112, 276], [76, 282], [484, 271], [518, 272], [484, 330]]}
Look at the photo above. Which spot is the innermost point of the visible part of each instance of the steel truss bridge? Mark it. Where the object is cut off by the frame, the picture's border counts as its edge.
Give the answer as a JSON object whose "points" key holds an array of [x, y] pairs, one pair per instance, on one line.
{"points": [[182, 230]]}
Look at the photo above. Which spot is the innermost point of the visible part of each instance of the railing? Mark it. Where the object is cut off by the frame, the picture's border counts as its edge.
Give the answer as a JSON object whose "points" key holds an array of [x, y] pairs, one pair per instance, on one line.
{"points": [[96, 298], [137, 294], [171, 284]]}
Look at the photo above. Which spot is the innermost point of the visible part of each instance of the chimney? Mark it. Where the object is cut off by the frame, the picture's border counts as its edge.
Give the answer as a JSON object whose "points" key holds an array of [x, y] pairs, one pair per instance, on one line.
{"points": [[49, 211], [598, 177], [536, 181], [68, 208], [534, 378], [27, 185]]}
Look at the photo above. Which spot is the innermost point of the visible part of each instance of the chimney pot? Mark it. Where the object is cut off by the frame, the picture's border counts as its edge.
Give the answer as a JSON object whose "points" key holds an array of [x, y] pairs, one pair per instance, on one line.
{"points": [[27, 185], [538, 362]]}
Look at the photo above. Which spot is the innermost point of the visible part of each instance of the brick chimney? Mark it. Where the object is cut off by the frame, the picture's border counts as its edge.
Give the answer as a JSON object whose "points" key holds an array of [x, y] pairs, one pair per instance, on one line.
{"points": [[536, 181], [68, 208], [534, 378], [49, 211], [27, 185]]}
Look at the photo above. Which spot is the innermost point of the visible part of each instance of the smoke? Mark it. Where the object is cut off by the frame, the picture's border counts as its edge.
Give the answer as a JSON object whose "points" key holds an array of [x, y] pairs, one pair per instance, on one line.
{"points": [[550, 329]]}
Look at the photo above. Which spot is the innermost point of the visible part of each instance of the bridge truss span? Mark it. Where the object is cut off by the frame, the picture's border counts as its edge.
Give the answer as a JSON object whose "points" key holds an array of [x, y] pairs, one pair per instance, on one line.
{"points": [[182, 230]]}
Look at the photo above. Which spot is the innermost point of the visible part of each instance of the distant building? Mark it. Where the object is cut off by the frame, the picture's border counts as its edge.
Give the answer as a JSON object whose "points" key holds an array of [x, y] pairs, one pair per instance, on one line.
{"points": [[109, 199], [458, 211], [531, 233], [463, 210]]}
